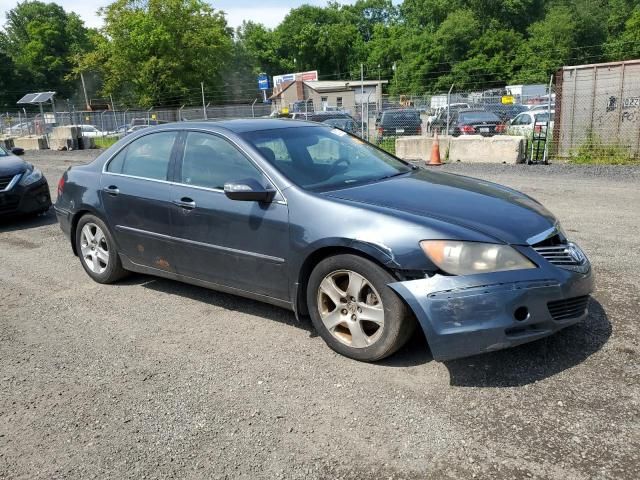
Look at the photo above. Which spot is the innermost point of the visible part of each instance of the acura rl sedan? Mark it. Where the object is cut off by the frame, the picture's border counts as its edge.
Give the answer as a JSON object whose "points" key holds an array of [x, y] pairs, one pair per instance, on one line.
{"points": [[23, 188], [310, 218]]}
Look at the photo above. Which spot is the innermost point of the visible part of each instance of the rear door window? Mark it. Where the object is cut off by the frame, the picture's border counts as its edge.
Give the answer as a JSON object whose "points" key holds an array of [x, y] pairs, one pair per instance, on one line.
{"points": [[145, 157]]}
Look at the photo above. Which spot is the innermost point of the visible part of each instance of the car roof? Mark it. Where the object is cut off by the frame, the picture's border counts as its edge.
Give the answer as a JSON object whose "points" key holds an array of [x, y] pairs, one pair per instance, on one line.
{"points": [[242, 125], [397, 110]]}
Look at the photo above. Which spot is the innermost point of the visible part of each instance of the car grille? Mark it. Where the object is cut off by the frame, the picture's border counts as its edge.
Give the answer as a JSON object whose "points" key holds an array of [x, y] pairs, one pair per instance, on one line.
{"points": [[9, 203], [568, 308], [5, 181], [562, 255]]}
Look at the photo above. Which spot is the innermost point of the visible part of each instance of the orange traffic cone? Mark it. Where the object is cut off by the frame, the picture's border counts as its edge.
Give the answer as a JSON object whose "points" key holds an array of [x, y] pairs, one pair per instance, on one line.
{"points": [[435, 152]]}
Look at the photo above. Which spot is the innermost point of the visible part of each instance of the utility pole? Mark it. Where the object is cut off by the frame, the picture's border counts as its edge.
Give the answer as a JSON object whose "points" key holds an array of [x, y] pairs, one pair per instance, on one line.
{"points": [[84, 89], [449, 108], [113, 109], [362, 99], [204, 107]]}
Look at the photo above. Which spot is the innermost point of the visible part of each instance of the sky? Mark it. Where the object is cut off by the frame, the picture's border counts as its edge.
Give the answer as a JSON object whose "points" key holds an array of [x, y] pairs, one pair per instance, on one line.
{"points": [[267, 12]]}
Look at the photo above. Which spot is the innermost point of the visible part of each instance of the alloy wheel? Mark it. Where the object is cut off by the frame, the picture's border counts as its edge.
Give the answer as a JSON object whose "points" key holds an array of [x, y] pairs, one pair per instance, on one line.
{"points": [[350, 308], [94, 248]]}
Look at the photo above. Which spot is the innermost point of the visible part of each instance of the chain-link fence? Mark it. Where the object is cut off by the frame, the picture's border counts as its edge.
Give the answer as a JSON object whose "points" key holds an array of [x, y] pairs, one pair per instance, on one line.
{"points": [[117, 123], [384, 119], [589, 113]]}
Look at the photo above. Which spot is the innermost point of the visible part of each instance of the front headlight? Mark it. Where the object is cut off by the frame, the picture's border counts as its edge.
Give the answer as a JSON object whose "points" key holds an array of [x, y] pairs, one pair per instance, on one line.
{"points": [[468, 258], [30, 177]]}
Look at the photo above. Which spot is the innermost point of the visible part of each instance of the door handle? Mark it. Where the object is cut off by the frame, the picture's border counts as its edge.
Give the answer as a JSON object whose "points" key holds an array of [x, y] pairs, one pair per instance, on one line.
{"points": [[186, 203], [112, 190]]}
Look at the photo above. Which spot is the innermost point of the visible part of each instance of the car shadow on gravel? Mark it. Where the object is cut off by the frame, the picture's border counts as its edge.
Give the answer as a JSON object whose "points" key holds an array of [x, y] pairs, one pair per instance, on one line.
{"points": [[535, 361], [220, 300], [26, 222], [416, 352]]}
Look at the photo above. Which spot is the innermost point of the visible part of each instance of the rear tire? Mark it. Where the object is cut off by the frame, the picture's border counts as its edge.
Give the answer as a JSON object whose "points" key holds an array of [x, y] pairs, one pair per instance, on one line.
{"points": [[97, 250], [354, 310]]}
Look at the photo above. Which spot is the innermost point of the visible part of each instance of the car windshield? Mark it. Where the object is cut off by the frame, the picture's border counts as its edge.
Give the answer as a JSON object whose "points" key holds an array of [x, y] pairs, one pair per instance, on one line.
{"points": [[323, 158], [478, 117]]}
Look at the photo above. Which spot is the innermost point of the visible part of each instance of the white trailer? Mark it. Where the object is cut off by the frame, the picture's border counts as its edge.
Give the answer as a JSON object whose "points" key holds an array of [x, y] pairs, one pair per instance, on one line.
{"points": [[522, 93]]}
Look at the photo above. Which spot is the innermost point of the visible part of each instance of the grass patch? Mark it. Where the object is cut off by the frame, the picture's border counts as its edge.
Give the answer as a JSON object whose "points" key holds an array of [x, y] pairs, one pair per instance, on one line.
{"points": [[105, 142], [388, 144], [594, 152]]}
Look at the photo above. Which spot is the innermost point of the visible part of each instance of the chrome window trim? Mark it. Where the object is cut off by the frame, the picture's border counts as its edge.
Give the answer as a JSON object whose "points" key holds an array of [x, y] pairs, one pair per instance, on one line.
{"points": [[178, 184], [12, 183], [200, 130], [202, 244]]}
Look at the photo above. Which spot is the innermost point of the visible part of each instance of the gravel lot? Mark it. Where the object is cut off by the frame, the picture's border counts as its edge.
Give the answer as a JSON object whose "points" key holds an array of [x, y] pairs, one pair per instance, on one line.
{"points": [[151, 378]]}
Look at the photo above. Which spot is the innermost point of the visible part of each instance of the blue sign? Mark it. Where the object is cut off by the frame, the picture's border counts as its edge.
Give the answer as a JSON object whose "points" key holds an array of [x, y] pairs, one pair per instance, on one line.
{"points": [[263, 81]]}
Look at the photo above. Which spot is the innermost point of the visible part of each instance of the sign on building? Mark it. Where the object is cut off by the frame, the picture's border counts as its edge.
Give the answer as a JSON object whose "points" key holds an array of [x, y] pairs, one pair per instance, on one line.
{"points": [[310, 76]]}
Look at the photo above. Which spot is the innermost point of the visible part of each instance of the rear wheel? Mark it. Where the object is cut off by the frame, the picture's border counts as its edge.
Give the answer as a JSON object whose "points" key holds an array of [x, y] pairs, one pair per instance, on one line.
{"points": [[96, 249], [354, 310]]}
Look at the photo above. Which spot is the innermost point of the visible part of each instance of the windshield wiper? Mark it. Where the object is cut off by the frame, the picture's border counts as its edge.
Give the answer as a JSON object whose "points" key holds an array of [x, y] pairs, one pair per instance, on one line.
{"points": [[393, 175]]}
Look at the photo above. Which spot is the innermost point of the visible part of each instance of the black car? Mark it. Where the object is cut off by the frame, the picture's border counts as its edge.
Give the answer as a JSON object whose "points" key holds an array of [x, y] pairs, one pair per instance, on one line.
{"points": [[398, 123], [311, 218], [23, 188], [505, 112], [347, 124], [440, 121], [475, 122]]}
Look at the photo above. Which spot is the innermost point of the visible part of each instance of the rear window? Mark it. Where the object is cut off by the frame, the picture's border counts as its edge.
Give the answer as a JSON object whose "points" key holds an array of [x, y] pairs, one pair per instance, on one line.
{"points": [[544, 117], [479, 117], [409, 116]]}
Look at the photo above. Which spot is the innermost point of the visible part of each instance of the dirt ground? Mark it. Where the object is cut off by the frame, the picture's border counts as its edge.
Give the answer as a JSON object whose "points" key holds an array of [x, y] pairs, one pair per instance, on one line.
{"points": [[151, 378]]}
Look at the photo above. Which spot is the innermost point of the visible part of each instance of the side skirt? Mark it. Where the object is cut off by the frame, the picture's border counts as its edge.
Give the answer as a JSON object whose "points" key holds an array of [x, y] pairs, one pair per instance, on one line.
{"points": [[127, 264]]}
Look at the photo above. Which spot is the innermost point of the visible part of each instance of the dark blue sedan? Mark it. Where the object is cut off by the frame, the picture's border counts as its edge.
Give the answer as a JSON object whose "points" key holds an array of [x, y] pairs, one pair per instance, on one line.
{"points": [[23, 188], [310, 218]]}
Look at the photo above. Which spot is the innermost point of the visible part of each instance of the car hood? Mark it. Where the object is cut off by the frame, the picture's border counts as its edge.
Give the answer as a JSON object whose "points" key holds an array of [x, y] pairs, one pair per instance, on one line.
{"points": [[497, 211], [11, 165]]}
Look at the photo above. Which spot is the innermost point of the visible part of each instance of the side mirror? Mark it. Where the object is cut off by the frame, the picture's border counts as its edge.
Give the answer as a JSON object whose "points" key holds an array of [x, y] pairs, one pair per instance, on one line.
{"points": [[17, 151], [248, 190]]}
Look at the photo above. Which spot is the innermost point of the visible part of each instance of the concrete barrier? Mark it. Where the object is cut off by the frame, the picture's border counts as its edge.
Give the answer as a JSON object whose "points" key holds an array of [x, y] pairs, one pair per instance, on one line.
{"points": [[7, 143], [32, 143], [467, 148], [65, 137]]}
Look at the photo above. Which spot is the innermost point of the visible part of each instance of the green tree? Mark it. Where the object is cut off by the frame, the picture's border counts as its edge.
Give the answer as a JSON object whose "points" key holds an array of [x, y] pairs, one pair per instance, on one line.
{"points": [[261, 48], [315, 38], [41, 40], [156, 52], [427, 13], [9, 84], [551, 44], [367, 14], [626, 46]]}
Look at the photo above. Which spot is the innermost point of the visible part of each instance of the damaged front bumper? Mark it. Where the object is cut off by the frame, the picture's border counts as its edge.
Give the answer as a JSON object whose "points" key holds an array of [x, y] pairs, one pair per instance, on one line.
{"points": [[468, 315]]}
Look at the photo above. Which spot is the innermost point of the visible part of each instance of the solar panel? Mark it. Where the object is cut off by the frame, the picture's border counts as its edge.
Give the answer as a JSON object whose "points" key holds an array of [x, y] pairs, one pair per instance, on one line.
{"points": [[35, 98]]}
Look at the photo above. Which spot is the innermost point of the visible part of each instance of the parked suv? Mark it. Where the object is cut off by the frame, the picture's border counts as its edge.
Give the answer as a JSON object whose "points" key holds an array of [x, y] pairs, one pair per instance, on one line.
{"points": [[397, 123]]}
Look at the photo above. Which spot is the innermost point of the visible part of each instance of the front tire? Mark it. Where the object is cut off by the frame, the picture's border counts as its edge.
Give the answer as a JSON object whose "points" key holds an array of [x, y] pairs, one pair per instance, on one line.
{"points": [[354, 310], [97, 251]]}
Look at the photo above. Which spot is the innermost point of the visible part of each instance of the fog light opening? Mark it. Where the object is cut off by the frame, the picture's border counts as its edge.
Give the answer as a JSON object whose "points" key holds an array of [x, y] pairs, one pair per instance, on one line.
{"points": [[521, 314]]}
